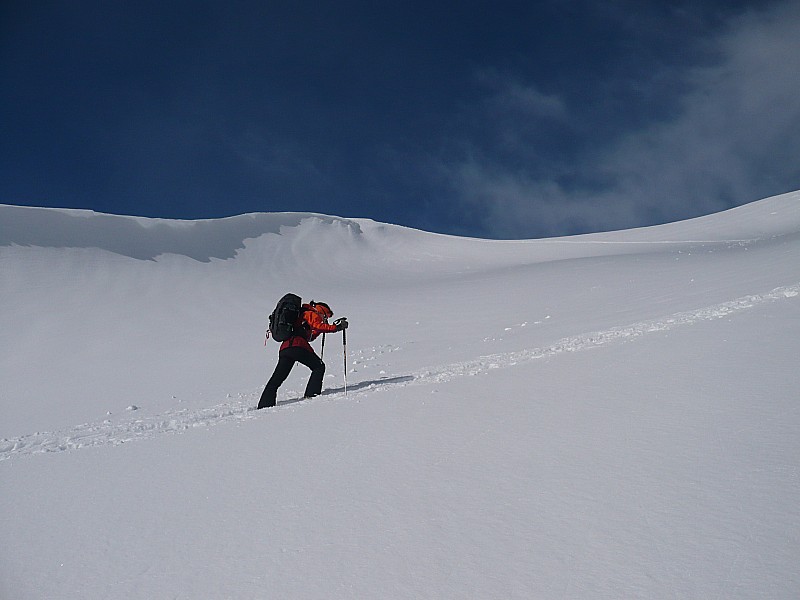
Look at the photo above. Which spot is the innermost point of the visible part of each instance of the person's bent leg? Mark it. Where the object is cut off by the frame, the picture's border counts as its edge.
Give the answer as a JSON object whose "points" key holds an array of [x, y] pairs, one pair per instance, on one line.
{"points": [[314, 387], [270, 394], [313, 362]]}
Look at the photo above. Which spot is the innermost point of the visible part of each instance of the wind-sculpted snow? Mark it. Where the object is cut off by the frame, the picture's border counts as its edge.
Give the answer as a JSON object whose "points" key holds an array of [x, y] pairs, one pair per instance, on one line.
{"points": [[107, 433], [203, 240], [142, 238]]}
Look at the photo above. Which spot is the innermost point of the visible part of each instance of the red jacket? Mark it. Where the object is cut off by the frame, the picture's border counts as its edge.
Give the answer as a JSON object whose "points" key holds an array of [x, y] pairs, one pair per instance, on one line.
{"points": [[311, 324]]}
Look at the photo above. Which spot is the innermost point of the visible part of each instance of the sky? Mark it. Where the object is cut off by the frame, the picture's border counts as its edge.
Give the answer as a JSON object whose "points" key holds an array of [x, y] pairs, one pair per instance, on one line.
{"points": [[485, 119]]}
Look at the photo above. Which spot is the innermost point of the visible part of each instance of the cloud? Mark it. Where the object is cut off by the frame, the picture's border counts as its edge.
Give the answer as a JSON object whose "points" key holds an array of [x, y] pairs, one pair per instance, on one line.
{"points": [[739, 127], [733, 137], [511, 96]]}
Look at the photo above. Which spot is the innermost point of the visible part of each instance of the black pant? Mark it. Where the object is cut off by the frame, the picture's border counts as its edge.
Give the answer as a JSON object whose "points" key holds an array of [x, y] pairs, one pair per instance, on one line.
{"points": [[286, 360]]}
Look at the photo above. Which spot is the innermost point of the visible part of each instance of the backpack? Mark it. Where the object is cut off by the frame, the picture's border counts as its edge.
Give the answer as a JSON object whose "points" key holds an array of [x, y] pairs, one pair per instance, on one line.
{"points": [[283, 320]]}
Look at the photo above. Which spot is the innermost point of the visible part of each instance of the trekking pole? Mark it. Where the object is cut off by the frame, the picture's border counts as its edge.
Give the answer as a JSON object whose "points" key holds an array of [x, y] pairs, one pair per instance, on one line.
{"points": [[322, 352], [344, 345]]}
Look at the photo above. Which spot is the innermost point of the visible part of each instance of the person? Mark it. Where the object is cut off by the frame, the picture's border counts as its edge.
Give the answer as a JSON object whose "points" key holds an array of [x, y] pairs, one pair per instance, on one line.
{"points": [[313, 320]]}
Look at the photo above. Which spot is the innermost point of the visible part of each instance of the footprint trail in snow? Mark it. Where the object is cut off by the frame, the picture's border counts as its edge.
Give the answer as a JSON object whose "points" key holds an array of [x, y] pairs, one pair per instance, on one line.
{"points": [[113, 434]]}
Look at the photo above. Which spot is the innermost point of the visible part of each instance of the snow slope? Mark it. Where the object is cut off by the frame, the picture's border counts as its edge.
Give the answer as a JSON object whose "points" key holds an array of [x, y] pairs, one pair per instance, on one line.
{"points": [[605, 416]]}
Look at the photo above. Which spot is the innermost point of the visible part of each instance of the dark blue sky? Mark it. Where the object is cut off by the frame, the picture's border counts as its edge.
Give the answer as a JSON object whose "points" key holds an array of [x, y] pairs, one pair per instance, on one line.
{"points": [[491, 119]]}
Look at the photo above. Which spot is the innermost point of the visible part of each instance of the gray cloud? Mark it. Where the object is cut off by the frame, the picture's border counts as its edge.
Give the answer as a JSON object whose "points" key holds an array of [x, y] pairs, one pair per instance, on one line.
{"points": [[511, 96], [734, 138]]}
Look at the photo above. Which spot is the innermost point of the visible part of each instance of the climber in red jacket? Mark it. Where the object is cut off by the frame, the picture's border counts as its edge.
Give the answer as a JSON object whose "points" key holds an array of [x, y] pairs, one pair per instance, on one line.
{"points": [[313, 320]]}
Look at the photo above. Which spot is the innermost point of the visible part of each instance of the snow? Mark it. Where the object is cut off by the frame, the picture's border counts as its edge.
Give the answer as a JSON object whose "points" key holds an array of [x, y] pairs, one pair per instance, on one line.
{"points": [[607, 416]]}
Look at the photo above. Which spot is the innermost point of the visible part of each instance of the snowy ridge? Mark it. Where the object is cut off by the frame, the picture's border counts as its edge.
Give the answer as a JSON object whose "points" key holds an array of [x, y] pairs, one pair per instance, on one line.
{"points": [[106, 433], [143, 238]]}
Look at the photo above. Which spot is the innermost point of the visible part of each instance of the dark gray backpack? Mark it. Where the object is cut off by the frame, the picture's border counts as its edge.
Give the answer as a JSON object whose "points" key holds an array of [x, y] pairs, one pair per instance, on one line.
{"points": [[283, 320]]}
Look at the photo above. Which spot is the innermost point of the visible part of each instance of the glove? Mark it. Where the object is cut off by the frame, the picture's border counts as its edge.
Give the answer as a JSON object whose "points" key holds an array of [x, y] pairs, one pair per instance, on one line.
{"points": [[341, 324]]}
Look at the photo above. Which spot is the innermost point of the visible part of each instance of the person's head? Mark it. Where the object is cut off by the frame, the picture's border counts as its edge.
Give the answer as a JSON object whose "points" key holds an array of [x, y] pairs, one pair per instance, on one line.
{"points": [[322, 309]]}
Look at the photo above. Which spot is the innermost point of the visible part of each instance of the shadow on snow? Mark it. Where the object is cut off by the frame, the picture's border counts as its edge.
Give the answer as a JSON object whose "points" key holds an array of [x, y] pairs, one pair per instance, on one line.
{"points": [[355, 387]]}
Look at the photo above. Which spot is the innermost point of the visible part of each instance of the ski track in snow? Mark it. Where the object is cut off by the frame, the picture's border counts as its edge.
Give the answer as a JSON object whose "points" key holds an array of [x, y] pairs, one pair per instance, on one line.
{"points": [[105, 433]]}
